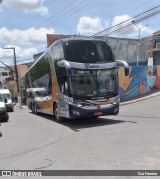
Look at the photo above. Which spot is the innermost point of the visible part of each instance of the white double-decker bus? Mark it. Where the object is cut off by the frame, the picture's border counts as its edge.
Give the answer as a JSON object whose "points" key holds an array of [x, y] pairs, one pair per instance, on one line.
{"points": [[80, 78]]}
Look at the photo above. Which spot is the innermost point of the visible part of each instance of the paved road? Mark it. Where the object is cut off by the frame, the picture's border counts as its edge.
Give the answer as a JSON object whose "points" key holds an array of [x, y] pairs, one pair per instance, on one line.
{"points": [[128, 141]]}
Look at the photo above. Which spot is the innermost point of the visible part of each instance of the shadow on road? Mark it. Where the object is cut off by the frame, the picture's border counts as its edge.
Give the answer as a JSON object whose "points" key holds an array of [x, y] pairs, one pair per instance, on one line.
{"points": [[89, 123], [76, 124], [136, 116]]}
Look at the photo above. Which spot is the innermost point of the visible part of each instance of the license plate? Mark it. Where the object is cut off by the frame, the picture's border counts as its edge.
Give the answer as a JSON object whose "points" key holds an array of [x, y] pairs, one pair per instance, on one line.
{"points": [[98, 113]]}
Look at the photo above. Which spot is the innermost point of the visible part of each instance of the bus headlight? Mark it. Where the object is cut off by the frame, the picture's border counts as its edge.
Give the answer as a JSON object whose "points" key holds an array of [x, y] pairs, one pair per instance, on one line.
{"points": [[116, 100], [75, 104]]}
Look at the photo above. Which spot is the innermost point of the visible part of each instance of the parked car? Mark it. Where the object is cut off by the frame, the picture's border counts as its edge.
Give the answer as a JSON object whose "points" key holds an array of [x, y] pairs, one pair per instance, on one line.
{"points": [[3, 111], [5, 93]]}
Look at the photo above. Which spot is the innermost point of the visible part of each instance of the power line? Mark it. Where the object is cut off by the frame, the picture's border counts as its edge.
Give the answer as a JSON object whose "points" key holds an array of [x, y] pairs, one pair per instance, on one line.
{"points": [[72, 10], [117, 28], [27, 59], [131, 23], [138, 18], [57, 13]]}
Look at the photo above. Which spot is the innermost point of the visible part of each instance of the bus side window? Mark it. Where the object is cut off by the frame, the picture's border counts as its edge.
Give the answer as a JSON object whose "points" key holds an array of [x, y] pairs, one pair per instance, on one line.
{"points": [[57, 52], [64, 86]]}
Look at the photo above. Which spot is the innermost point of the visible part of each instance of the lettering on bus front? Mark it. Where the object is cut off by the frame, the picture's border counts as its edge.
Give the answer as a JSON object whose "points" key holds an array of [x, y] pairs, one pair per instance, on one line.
{"points": [[88, 66]]}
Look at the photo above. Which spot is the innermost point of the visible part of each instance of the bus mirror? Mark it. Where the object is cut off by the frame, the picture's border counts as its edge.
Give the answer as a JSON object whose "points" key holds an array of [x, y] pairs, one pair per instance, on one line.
{"points": [[66, 86], [125, 64], [66, 65], [62, 88], [63, 63], [60, 64], [126, 71]]}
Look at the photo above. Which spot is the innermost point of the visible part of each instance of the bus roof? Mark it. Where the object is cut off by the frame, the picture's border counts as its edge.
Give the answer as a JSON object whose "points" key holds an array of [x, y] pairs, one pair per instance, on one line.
{"points": [[75, 38]]}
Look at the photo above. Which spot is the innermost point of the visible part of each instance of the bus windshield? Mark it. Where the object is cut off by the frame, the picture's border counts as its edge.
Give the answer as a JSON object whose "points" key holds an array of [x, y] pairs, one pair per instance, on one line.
{"points": [[88, 51], [93, 83], [41, 93]]}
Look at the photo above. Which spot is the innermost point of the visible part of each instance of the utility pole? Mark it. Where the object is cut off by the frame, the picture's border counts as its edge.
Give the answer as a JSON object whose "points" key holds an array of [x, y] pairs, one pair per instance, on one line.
{"points": [[16, 73], [138, 44]]}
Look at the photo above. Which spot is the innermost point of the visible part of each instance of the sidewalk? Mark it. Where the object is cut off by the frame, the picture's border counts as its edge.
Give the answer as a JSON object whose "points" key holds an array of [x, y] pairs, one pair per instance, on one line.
{"points": [[16, 105], [140, 98]]}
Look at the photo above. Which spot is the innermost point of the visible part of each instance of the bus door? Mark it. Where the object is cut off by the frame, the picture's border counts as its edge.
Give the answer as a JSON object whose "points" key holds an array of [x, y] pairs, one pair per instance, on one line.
{"points": [[63, 97]]}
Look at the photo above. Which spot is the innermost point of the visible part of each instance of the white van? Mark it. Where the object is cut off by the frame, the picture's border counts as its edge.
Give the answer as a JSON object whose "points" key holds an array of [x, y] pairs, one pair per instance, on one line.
{"points": [[3, 111], [5, 93]]}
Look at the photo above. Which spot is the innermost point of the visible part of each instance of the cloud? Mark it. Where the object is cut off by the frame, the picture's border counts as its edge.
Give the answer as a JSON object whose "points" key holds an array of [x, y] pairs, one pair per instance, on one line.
{"points": [[119, 26], [29, 36], [26, 42], [7, 54], [27, 6], [128, 28], [89, 26], [121, 18]]}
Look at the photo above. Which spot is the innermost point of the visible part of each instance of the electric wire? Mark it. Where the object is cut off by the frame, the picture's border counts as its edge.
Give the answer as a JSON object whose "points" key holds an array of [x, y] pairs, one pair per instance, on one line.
{"points": [[138, 18], [135, 18], [73, 10], [70, 11]]}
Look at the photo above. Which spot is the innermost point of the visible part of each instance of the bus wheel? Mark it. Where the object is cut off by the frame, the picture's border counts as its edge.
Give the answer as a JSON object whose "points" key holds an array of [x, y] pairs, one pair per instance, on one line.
{"points": [[35, 109], [56, 114], [32, 108]]}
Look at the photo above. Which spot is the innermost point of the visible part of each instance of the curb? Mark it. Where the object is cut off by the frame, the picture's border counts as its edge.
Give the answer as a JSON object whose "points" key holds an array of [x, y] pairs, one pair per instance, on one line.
{"points": [[139, 99], [16, 105]]}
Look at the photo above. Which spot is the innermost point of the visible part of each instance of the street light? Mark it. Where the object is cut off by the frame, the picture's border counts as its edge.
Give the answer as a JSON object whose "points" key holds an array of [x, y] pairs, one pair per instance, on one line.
{"points": [[138, 43]]}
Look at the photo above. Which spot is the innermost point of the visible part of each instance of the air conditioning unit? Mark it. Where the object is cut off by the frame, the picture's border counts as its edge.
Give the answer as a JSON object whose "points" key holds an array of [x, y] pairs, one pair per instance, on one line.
{"points": [[158, 45]]}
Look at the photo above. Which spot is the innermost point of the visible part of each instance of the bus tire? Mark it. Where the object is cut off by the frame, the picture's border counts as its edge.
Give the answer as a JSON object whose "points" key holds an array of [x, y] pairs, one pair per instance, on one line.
{"points": [[34, 108], [6, 117], [56, 114]]}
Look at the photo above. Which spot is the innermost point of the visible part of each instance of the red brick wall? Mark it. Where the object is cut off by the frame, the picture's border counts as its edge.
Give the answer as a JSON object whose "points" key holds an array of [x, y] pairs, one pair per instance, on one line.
{"points": [[53, 37]]}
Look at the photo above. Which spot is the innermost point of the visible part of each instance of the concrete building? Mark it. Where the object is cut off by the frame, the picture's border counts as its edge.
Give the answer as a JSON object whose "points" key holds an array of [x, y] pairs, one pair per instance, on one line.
{"points": [[127, 49], [156, 48], [4, 75]]}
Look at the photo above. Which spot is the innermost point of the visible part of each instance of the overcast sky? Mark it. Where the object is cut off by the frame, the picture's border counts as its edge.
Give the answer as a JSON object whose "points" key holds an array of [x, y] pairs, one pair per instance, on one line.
{"points": [[25, 23]]}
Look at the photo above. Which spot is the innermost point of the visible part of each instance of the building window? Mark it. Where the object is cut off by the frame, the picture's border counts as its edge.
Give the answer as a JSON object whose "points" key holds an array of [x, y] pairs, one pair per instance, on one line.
{"points": [[158, 45], [11, 73], [4, 74]]}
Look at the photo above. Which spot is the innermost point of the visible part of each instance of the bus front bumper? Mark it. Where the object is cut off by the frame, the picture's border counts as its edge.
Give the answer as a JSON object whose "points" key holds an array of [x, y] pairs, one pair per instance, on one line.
{"points": [[90, 111]]}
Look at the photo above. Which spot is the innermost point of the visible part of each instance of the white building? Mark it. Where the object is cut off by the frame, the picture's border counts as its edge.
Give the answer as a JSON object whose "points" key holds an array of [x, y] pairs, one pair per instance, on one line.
{"points": [[4, 76]]}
